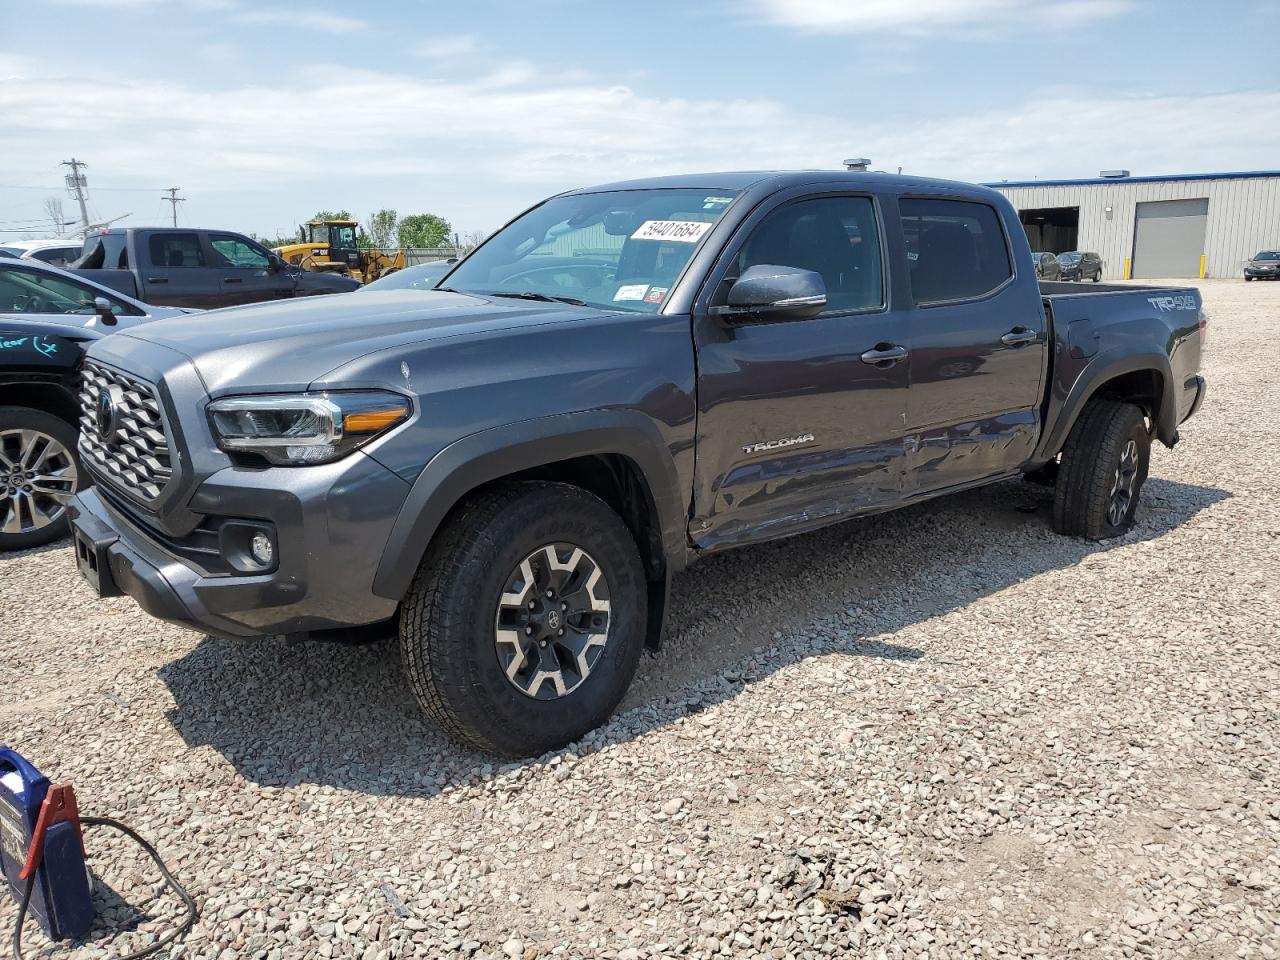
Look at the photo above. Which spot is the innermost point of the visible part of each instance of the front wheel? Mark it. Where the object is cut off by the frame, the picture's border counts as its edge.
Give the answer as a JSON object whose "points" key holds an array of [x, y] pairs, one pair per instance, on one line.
{"points": [[1247, 278], [39, 472], [525, 623], [1104, 465]]}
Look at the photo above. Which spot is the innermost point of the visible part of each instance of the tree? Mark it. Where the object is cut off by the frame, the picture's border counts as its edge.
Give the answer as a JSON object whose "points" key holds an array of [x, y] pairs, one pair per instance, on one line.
{"points": [[382, 227], [423, 230], [331, 215], [53, 207]]}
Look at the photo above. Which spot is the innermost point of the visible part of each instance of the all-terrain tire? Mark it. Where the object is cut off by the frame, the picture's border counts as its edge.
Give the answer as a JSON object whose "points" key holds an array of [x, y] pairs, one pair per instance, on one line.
{"points": [[1104, 465], [449, 618], [45, 523]]}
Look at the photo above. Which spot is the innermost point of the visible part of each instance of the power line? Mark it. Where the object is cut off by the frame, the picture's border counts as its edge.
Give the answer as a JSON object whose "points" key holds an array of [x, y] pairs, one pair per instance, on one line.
{"points": [[173, 200]]}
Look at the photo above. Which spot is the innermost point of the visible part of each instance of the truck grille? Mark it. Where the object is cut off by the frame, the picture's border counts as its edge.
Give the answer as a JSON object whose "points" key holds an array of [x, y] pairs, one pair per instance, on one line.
{"points": [[124, 439]]}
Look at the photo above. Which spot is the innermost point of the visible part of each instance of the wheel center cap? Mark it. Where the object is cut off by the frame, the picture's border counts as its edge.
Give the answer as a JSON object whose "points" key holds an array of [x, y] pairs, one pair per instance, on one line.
{"points": [[553, 619]]}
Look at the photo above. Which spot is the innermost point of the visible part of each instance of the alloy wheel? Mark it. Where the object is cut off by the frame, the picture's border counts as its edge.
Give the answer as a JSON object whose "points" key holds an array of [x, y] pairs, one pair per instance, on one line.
{"points": [[37, 477], [552, 624], [1122, 487]]}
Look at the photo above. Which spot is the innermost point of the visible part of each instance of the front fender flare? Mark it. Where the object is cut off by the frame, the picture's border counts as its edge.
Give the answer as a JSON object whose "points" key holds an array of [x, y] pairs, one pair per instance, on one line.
{"points": [[502, 451]]}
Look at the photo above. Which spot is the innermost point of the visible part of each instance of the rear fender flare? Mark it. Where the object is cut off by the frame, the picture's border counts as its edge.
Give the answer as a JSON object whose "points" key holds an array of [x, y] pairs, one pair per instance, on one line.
{"points": [[1095, 377], [490, 455]]}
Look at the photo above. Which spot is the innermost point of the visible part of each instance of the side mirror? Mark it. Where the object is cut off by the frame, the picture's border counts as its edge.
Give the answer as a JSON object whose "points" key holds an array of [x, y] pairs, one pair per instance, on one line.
{"points": [[103, 306], [273, 263], [768, 292]]}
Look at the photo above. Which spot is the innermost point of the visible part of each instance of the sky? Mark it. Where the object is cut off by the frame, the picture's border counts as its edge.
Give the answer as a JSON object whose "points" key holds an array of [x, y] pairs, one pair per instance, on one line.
{"points": [[263, 113]]}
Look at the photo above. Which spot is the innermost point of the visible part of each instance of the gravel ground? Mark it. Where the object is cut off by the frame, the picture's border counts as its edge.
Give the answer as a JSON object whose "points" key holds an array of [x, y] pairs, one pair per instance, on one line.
{"points": [[940, 732]]}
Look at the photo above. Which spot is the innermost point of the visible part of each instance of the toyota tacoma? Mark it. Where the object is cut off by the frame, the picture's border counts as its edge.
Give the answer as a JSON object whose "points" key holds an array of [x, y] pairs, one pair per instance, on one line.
{"points": [[511, 467]]}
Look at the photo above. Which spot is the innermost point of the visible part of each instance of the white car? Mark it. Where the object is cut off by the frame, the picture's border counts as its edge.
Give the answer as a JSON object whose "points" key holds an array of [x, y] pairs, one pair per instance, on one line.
{"points": [[55, 252], [30, 290]]}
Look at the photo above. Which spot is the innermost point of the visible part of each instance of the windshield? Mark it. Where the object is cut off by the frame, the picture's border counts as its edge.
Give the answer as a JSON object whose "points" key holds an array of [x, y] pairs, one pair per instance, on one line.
{"points": [[22, 291], [620, 250], [1069, 257], [1268, 255]]}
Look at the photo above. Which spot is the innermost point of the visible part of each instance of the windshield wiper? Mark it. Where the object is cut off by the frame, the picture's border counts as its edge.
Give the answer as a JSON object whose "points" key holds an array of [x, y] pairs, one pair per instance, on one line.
{"points": [[544, 298]]}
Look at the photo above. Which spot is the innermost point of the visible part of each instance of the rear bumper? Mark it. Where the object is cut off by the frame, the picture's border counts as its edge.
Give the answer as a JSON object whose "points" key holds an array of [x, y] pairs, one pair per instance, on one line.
{"points": [[329, 530]]}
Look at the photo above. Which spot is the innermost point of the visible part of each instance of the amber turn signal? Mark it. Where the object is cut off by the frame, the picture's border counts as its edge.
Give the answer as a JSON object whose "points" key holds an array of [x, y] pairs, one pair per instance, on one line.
{"points": [[372, 421]]}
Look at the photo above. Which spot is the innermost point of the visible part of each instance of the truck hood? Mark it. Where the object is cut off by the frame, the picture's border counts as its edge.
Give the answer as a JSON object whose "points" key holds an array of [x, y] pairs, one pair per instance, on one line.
{"points": [[287, 344]]}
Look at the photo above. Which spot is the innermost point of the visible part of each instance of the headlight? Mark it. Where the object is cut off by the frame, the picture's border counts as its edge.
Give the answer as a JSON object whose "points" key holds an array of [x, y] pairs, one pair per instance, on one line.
{"points": [[304, 428]]}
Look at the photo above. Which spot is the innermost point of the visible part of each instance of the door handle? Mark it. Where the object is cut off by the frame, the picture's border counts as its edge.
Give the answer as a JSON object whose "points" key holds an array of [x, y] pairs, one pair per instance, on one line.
{"points": [[1018, 336], [157, 279], [233, 279], [885, 353]]}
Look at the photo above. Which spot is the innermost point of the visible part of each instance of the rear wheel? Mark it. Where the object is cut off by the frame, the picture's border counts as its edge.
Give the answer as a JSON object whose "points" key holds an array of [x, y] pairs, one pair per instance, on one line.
{"points": [[39, 472], [1104, 465], [526, 620]]}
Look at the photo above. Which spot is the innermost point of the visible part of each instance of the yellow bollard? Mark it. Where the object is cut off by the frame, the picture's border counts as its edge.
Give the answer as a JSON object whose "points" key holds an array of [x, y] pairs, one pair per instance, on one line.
{"points": [[1126, 268], [1202, 261]]}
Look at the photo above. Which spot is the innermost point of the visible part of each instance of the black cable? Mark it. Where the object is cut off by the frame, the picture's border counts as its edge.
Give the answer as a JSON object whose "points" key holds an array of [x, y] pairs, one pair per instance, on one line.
{"points": [[193, 912]]}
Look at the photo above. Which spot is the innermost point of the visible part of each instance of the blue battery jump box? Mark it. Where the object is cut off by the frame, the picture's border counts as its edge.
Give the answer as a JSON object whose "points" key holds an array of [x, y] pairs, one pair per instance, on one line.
{"points": [[30, 810]]}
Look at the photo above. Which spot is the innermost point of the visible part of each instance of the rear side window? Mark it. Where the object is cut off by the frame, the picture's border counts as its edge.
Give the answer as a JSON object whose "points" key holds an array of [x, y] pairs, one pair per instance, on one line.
{"points": [[176, 250], [956, 249]]}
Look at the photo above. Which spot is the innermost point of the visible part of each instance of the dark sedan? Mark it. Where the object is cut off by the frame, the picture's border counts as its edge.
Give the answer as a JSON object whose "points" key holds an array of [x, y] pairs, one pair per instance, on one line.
{"points": [[1265, 265], [1047, 266]]}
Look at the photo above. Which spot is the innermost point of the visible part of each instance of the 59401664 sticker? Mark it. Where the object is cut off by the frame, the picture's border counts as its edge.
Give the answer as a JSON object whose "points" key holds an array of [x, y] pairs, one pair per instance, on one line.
{"points": [[680, 231]]}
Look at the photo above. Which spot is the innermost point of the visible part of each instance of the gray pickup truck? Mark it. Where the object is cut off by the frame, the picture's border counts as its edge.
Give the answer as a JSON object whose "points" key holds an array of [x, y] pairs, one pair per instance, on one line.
{"points": [[510, 468], [185, 267]]}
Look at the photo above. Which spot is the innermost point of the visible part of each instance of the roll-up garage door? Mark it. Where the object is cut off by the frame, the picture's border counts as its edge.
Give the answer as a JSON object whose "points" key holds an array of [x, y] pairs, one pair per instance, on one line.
{"points": [[1168, 238]]}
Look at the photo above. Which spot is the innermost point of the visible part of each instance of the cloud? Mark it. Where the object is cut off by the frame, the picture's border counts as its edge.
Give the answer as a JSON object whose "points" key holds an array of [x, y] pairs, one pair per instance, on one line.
{"points": [[527, 133], [305, 17], [446, 46], [930, 16]]}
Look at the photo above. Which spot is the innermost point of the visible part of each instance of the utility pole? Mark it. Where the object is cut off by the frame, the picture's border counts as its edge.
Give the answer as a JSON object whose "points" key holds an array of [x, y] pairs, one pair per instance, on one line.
{"points": [[77, 183], [174, 199]]}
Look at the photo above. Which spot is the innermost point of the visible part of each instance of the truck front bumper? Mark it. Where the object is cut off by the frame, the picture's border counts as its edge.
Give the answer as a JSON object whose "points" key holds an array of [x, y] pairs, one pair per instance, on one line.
{"points": [[328, 526]]}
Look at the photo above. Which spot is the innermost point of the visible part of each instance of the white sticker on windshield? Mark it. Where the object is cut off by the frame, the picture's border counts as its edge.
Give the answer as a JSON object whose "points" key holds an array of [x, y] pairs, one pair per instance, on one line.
{"points": [[710, 203], [631, 291], [681, 231]]}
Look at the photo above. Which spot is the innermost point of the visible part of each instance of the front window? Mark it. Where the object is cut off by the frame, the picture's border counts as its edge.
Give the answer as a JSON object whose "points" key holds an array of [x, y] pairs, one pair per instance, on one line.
{"points": [[23, 291], [319, 233], [238, 253], [1069, 257], [1268, 255], [619, 250], [344, 238]]}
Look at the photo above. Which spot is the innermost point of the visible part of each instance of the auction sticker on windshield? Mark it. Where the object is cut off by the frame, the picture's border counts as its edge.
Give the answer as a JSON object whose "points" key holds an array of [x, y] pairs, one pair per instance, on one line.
{"points": [[682, 231]]}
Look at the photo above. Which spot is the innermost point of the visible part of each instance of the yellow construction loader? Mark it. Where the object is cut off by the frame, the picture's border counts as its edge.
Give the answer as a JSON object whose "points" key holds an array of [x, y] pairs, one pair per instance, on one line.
{"points": [[330, 246]]}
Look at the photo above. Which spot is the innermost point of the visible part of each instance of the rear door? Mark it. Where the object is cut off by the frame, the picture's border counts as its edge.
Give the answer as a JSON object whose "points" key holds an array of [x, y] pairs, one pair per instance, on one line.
{"points": [[175, 270], [795, 427], [245, 271], [977, 344]]}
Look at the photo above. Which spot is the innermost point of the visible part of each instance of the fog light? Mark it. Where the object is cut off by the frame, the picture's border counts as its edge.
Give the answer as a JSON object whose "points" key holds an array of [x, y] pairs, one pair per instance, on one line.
{"points": [[262, 549]]}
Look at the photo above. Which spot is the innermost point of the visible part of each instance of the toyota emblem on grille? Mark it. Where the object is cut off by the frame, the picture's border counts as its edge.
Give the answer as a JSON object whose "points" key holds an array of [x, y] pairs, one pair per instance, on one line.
{"points": [[107, 412]]}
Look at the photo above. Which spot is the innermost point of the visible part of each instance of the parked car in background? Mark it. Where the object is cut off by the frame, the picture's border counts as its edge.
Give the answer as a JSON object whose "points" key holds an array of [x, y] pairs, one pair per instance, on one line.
{"points": [[56, 252], [33, 291], [197, 268], [1047, 267], [509, 469], [423, 276], [47, 316], [1265, 265], [1080, 265]]}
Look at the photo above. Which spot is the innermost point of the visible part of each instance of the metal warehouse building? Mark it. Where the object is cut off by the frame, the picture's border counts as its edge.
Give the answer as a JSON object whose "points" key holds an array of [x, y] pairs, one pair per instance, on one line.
{"points": [[1193, 225]]}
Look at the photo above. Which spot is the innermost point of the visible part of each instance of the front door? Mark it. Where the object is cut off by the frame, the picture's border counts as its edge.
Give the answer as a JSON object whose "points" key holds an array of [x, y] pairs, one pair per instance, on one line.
{"points": [[977, 346], [801, 422], [246, 274]]}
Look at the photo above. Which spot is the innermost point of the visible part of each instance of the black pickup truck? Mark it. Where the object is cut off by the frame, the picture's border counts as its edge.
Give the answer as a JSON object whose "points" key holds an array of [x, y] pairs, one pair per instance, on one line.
{"points": [[179, 267], [511, 467]]}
